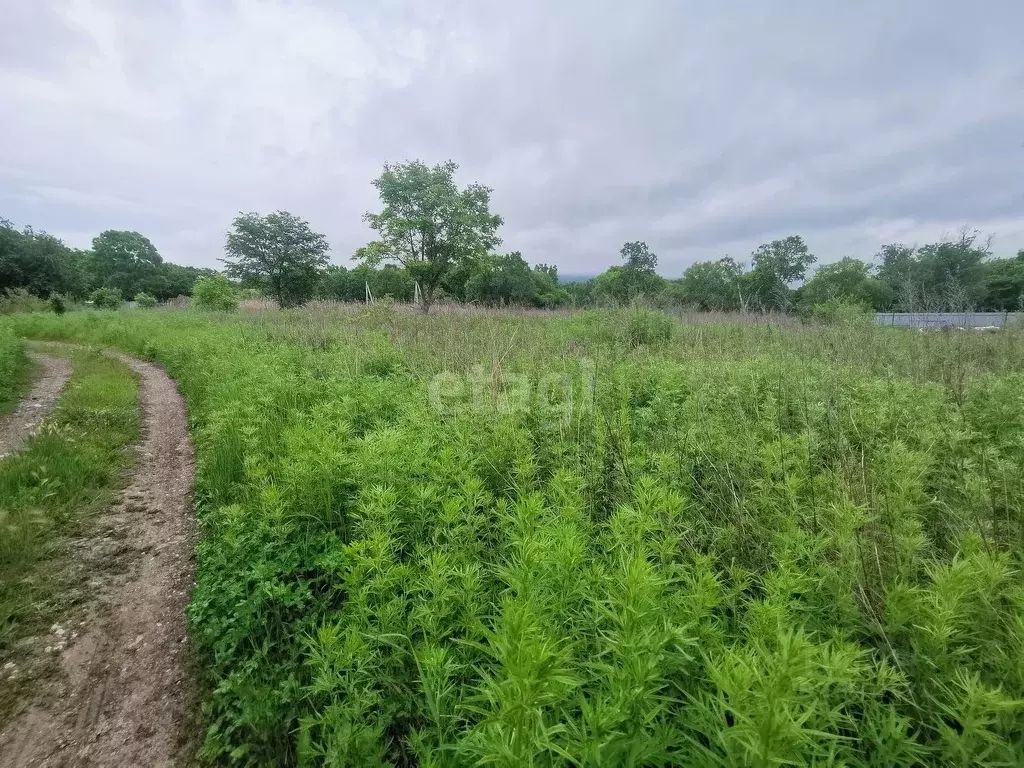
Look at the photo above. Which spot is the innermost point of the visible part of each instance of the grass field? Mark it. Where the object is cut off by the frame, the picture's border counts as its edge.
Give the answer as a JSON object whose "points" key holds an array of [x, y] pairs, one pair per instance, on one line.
{"points": [[605, 538]]}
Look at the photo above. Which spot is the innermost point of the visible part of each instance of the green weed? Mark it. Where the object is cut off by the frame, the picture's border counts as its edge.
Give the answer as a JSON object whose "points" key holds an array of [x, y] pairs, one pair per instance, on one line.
{"points": [[758, 544], [14, 370]]}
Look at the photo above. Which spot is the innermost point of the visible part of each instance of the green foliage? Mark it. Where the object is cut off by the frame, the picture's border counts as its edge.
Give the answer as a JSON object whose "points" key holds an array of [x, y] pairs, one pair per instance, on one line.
{"points": [[429, 225], [342, 284], [14, 300], [1003, 281], [742, 544], [124, 261], [42, 265], [713, 285], [145, 301], [508, 279], [214, 293], [38, 263], [278, 253], [847, 280], [945, 276], [57, 304], [776, 266], [842, 311], [107, 298]]}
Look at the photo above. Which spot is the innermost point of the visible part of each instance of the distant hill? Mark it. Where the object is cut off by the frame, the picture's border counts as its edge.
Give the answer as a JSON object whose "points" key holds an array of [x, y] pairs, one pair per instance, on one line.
{"points": [[569, 278]]}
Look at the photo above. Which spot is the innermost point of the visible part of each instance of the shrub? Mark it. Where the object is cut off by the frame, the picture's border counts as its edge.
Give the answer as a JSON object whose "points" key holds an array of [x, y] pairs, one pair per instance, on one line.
{"points": [[145, 301], [57, 304], [17, 300], [842, 312], [107, 298], [646, 327], [214, 293]]}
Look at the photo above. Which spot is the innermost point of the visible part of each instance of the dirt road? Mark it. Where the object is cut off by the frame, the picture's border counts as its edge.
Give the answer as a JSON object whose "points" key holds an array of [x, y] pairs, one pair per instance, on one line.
{"points": [[123, 698]]}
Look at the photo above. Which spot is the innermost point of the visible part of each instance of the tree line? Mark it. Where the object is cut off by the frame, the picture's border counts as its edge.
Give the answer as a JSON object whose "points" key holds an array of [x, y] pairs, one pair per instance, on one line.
{"points": [[122, 261], [438, 241]]}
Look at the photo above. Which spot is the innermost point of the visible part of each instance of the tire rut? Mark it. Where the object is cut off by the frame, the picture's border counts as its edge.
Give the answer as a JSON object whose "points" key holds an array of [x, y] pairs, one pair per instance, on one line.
{"points": [[123, 697], [17, 427]]}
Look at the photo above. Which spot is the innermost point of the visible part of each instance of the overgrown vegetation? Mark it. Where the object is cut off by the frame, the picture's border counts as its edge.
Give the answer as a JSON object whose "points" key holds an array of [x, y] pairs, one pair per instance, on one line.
{"points": [[215, 294], [14, 369], [712, 544], [50, 490]]}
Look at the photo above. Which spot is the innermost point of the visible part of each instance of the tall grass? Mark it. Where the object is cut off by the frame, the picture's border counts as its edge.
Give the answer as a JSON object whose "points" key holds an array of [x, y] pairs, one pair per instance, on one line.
{"points": [[761, 544], [14, 369]]}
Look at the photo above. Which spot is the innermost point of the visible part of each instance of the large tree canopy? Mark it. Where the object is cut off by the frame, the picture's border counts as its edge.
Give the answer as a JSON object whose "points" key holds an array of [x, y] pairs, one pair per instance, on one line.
{"points": [[713, 285], [429, 225], [278, 253], [776, 266], [847, 280], [125, 260]]}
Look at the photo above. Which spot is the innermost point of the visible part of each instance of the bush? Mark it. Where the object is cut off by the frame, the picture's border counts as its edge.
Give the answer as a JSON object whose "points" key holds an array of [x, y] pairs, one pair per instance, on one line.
{"points": [[214, 293], [17, 300], [842, 312], [57, 304], [107, 298], [648, 328], [145, 301]]}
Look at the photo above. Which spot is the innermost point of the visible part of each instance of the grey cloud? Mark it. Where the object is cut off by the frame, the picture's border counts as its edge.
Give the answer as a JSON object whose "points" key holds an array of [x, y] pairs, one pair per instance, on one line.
{"points": [[698, 126]]}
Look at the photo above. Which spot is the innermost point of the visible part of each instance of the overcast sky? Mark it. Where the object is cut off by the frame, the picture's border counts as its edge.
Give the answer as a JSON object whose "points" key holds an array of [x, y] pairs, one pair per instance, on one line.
{"points": [[704, 128]]}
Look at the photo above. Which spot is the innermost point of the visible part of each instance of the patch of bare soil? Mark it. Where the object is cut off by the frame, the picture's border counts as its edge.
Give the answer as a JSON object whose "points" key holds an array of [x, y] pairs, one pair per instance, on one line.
{"points": [[121, 696], [17, 427]]}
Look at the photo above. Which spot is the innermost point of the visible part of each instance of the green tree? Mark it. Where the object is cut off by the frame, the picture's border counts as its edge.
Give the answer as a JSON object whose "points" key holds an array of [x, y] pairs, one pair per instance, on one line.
{"points": [[279, 253], [713, 285], [38, 263], [124, 260], [848, 280], [776, 266], [178, 280], [214, 293], [429, 225], [639, 270], [1003, 281], [945, 275], [951, 272], [504, 279]]}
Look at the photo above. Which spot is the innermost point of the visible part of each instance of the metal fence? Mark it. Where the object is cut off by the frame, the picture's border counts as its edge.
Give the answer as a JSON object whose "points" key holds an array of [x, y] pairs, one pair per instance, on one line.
{"points": [[949, 319]]}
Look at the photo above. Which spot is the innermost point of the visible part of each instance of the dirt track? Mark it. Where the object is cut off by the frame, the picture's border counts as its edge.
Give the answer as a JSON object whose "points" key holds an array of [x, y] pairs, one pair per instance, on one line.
{"points": [[17, 427], [122, 697]]}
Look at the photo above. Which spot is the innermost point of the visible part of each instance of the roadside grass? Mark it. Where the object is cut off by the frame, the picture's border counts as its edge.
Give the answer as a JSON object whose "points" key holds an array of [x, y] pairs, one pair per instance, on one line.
{"points": [[49, 492], [15, 370], [749, 545]]}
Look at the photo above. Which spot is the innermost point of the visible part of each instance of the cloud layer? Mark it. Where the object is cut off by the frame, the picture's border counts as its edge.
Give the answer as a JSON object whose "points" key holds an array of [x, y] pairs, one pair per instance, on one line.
{"points": [[699, 127]]}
